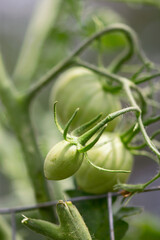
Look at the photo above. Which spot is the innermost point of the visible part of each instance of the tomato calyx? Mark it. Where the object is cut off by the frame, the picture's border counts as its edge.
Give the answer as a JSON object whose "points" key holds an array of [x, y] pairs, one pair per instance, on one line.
{"points": [[82, 139], [65, 158], [85, 135], [109, 87]]}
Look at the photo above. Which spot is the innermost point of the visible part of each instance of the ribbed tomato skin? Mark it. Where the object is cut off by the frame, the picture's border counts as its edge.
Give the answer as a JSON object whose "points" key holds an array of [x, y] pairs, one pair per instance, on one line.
{"points": [[108, 153], [79, 87], [62, 161]]}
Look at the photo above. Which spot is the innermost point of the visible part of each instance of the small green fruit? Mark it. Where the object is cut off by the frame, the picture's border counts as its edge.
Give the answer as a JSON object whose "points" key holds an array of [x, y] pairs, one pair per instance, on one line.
{"points": [[108, 153], [62, 161], [83, 89]]}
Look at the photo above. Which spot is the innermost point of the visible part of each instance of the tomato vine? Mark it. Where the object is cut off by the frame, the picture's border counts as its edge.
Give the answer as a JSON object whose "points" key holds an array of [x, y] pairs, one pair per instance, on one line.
{"points": [[17, 104]]}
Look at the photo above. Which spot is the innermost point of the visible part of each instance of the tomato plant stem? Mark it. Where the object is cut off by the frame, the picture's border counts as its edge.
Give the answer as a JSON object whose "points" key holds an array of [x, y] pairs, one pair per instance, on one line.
{"points": [[86, 136], [59, 68], [147, 78], [127, 86], [20, 122]]}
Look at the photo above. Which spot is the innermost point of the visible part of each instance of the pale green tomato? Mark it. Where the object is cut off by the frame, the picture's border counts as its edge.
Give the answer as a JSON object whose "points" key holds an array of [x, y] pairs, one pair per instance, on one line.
{"points": [[79, 87], [62, 161], [109, 153]]}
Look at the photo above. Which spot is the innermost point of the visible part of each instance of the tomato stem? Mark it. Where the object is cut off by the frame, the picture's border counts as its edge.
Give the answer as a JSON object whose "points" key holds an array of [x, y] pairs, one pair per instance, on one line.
{"points": [[86, 136], [90, 145], [80, 130], [104, 169], [69, 61]]}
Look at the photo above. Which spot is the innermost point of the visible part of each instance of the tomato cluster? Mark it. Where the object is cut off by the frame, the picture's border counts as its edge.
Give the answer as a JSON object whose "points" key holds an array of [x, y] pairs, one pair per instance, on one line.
{"points": [[79, 87]]}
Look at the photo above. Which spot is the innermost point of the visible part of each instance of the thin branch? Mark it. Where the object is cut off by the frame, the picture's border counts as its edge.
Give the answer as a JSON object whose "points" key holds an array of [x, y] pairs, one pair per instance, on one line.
{"points": [[140, 122], [134, 133], [145, 154], [147, 78], [138, 72], [132, 41], [75, 199], [87, 135], [144, 144], [102, 72]]}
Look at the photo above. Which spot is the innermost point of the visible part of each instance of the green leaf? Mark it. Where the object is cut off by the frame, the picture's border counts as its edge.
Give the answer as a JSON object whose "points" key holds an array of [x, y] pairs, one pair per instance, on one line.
{"points": [[127, 212], [145, 227], [95, 215], [120, 229]]}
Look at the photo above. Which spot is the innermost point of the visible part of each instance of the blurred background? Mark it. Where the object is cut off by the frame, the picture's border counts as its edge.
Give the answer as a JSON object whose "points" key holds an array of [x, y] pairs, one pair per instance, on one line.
{"points": [[15, 16]]}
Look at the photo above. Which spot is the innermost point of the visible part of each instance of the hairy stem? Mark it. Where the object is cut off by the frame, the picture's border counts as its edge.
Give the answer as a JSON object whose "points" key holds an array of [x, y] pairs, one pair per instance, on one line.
{"points": [[18, 115]]}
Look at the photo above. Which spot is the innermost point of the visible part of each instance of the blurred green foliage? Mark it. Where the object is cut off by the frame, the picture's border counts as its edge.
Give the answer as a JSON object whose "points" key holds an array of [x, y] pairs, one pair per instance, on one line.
{"points": [[71, 27], [145, 227]]}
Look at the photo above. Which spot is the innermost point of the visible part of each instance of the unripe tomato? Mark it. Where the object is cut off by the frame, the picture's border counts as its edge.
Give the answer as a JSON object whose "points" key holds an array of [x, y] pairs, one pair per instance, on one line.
{"points": [[109, 153], [62, 161], [81, 88]]}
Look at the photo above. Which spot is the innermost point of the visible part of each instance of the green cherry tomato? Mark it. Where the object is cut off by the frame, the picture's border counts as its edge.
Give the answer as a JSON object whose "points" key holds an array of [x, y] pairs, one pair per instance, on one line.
{"points": [[81, 88], [62, 161], [109, 153]]}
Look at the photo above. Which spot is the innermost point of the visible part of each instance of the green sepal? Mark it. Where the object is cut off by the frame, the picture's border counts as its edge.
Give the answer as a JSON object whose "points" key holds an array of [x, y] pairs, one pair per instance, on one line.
{"points": [[90, 145], [80, 130], [87, 135], [69, 123], [55, 118]]}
